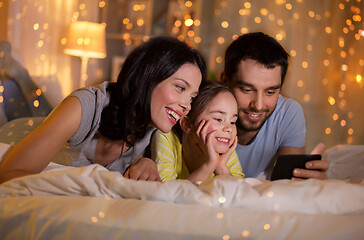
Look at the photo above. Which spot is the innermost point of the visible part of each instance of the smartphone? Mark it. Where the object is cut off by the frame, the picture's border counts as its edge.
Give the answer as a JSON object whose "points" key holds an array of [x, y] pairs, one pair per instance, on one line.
{"points": [[283, 168]]}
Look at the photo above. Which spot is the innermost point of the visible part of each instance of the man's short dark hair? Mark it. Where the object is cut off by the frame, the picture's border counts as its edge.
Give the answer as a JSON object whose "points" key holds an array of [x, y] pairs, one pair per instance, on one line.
{"points": [[256, 46]]}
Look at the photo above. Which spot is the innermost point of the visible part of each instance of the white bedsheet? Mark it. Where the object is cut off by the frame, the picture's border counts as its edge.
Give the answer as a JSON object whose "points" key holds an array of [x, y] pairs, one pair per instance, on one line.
{"points": [[92, 202]]}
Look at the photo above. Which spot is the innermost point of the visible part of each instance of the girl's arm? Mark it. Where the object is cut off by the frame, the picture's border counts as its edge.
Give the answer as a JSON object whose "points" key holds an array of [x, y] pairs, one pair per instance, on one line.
{"points": [[37, 149]]}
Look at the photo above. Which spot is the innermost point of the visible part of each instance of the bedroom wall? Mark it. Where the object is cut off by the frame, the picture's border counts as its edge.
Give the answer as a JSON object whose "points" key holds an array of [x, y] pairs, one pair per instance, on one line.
{"points": [[324, 39]]}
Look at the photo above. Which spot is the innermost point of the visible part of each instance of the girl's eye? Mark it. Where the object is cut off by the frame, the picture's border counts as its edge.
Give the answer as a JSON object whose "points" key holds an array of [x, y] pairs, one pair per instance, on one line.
{"points": [[218, 119], [233, 123]]}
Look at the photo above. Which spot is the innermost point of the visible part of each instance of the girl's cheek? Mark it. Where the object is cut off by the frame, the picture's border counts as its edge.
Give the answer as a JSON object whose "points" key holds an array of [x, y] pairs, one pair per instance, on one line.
{"points": [[211, 128]]}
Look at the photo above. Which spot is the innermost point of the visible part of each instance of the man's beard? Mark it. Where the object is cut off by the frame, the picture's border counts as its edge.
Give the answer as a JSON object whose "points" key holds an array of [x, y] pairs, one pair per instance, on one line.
{"points": [[240, 126]]}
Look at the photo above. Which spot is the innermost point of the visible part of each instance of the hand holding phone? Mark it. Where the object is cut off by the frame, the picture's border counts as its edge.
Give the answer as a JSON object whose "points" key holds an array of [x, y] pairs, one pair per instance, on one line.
{"points": [[283, 168]]}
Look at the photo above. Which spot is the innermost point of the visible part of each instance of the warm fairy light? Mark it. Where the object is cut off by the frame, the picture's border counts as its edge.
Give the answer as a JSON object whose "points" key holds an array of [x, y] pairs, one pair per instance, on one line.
{"points": [[306, 98], [136, 7], [129, 26], [247, 5], [224, 24], [188, 4], [341, 6], [328, 131], [271, 17], [1, 88], [280, 22], [257, 20], [36, 103], [361, 62], [245, 233], [343, 123], [266, 226], [300, 83], [311, 14], [126, 36], [350, 115], [145, 38], [64, 41], [126, 21], [341, 42], [221, 40], [345, 30], [329, 50], [188, 22], [304, 64], [280, 2], [350, 131], [102, 4], [331, 100], [357, 36], [344, 67], [197, 40], [328, 29], [219, 59], [293, 53], [296, 15], [220, 215], [40, 43], [225, 237], [140, 22], [244, 30], [190, 33], [235, 36], [142, 7], [309, 47], [358, 78], [343, 87], [197, 22], [82, 6], [270, 194], [181, 37], [1, 99], [36, 26], [223, 4], [222, 199], [177, 23], [264, 11], [289, 6], [279, 37], [326, 62], [128, 42], [349, 140], [343, 54], [335, 117]]}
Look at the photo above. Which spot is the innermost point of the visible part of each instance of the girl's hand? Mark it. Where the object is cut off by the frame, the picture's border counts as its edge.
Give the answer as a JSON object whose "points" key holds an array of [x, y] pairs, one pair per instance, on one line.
{"points": [[204, 142], [221, 168]]}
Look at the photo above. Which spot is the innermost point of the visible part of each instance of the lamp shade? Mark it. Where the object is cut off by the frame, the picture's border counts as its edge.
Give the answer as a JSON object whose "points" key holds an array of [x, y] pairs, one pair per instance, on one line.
{"points": [[86, 39]]}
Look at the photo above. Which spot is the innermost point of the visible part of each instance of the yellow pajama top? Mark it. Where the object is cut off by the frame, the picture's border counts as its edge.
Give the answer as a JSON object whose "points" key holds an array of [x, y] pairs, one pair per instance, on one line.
{"points": [[167, 152]]}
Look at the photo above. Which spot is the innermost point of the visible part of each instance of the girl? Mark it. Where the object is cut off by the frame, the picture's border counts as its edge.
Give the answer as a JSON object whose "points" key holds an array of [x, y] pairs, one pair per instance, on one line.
{"points": [[111, 124], [204, 143]]}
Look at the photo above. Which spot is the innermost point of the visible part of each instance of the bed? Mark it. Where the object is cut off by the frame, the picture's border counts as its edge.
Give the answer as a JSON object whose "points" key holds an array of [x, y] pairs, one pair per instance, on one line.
{"points": [[64, 202]]}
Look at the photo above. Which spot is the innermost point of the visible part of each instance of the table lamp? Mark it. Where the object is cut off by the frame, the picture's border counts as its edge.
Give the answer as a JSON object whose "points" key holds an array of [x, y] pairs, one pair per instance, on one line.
{"points": [[86, 40]]}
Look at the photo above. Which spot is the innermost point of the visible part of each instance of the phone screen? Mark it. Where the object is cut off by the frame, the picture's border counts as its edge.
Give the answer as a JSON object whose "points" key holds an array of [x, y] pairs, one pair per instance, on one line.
{"points": [[283, 168]]}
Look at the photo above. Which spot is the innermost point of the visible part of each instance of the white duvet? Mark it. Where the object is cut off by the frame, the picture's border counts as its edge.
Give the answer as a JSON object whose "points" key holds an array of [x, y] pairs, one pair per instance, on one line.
{"points": [[309, 196]]}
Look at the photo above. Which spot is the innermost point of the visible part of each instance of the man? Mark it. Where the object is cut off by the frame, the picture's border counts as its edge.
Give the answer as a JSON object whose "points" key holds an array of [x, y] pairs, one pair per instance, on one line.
{"points": [[269, 124]]}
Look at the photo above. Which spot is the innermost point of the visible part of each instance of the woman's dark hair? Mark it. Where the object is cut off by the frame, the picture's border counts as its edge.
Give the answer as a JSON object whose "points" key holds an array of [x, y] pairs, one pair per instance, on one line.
{"points": [[257, 46], [128, 115], [208, 91]]}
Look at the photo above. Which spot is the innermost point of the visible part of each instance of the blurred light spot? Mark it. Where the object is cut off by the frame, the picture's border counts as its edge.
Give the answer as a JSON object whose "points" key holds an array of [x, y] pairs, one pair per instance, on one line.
{"points": [[306, 98], [36, 103], [190, 33], [225, 24], [247, 5], [329, 50], [344, 67], [328, 29], [309, 47], [244, 30], [331, 100], [1, 88], [350, 131], [335, 117], [177, 23], [343, 86], [219, 59], [226, 237], [350, 115], [350, 140], [102, 4], [305, 64], [327, 131], [311, 14], [140, 22], [221, 40], [101, 214], [222, 199], [341, 6], [197, 39], [257, 20], [266, 226], [189, 22], [245, 233], [94, 219], [264, 11], [326, 62], [300, 83], [280, 22], [220, 215], [280, 2], [38, 92], [188, 4], [276, 206], [296, 15], [358, 78], [343, 123], [126, 21], [343, 54], [197, 22], [36, 26], [289, 6], [270, 194], [293, 53]]}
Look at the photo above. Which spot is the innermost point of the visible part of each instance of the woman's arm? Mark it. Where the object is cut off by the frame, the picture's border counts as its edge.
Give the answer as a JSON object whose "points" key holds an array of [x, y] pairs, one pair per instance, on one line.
{"points": [[37, 149]]}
